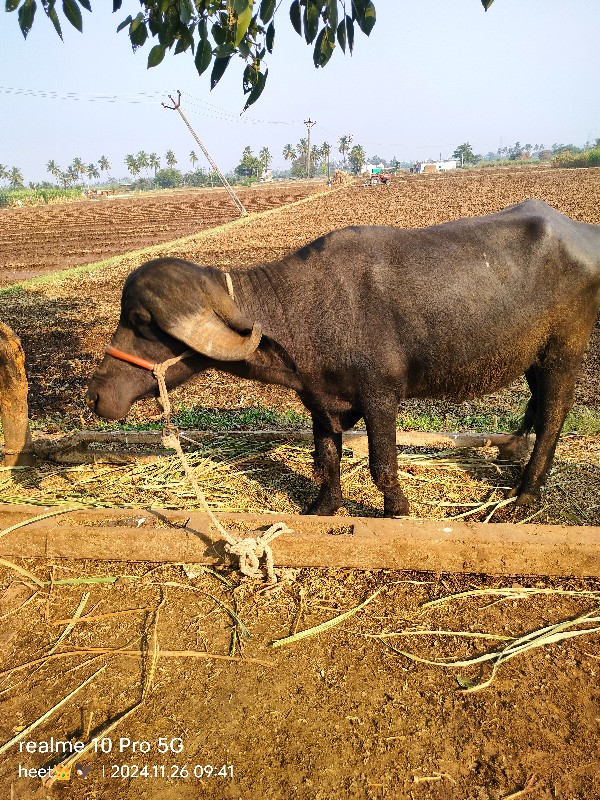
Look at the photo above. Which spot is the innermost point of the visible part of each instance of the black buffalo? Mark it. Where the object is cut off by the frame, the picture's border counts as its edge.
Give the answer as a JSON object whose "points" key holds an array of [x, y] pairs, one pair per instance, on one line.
{"points": [[366, 316]]}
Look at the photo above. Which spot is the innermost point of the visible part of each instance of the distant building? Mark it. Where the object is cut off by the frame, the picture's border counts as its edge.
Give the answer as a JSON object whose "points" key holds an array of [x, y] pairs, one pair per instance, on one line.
{"points": [[373, 169], [421, 167]]}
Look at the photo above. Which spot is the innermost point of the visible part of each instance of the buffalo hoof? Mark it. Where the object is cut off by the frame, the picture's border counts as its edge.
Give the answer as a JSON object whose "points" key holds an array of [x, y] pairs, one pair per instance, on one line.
{"points": [[395, 507], [322, 507], [528, 498], [524, 498]]}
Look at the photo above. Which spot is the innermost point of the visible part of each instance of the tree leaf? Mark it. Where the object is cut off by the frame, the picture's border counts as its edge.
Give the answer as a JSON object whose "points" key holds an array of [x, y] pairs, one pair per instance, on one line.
{"points": [[341, 35], [267, 9], [85, 4], [332, 13], [367, 19], [117, 5], [224, 50], [156, 55], [218, 69], [125, 23], [138, 33], [186, 11], [324, 47], [51, 14], [12, 5], [219, 33], [311, 21], [486, 3], [258, 88], [203, 55], [350, 32], [73, 14], [243, 21], [26, 16], [295, 17], [270, 38]]}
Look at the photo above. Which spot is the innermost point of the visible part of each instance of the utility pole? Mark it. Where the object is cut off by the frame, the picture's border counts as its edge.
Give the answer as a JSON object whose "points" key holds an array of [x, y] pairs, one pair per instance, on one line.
{"points": [[309, 123], [236, 200]]}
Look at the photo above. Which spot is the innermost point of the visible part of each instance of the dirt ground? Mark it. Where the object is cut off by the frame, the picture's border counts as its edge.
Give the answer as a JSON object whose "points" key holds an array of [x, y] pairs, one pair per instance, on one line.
{"points": [[341, 714], [39, 240]]}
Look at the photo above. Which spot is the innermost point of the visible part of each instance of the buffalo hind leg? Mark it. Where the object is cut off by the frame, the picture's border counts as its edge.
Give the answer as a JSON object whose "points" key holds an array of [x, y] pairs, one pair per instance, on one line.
{"points": [[517, 446], [383, 456], [551, 401], [328, 453]]}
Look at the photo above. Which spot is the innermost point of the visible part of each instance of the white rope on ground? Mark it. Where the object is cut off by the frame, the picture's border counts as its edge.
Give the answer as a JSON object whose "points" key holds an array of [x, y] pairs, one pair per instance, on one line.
{"points": [[249, 550]]}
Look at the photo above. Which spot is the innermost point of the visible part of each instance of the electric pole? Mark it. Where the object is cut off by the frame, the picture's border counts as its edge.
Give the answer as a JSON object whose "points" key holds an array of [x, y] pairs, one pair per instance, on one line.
{"points": [[309, 123], [236, 200]]}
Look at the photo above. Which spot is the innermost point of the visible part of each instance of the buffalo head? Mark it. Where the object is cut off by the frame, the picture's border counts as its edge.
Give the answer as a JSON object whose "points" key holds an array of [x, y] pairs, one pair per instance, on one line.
{"points": [[169, 306]]}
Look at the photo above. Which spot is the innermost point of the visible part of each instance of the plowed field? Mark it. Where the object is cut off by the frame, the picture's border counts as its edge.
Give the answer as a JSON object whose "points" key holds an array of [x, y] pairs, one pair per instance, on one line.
{"points": [[38, 240], [343, 714]]}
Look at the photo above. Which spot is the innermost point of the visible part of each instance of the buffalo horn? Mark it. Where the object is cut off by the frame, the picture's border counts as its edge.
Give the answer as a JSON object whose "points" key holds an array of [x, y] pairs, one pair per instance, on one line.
{"points": [[209, 335]]}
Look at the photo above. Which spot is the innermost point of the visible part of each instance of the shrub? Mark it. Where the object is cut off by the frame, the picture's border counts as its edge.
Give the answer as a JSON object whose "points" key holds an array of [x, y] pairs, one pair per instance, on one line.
{"points": [[589, 158], [168, 178]]}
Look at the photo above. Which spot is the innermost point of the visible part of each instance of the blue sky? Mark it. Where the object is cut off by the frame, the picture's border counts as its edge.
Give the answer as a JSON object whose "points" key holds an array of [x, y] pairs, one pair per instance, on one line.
{"points": [[431, 75]]}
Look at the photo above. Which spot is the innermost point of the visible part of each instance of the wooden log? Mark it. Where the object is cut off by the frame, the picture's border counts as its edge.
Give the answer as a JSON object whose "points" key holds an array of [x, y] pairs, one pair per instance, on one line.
{"points": [[330, 542], [76, 448]]}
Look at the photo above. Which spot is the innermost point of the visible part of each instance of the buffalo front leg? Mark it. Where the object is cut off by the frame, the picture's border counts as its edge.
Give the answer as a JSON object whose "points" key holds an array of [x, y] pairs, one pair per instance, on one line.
{"points": [[13, 400], [380, 420], [328, 453]]}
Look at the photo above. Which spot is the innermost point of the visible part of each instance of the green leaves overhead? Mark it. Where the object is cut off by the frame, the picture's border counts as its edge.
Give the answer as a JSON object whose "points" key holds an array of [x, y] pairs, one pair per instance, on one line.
{"points": [[216, 30]]}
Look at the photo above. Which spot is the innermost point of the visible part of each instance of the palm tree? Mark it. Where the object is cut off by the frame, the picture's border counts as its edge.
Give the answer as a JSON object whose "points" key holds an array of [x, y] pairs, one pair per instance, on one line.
{"points": [[15, 177], [193, 159], [326, 152], [92, 172], [265, 158], [170, 158], [344, 146], [132, 164], [302, 148], [143, 161], [289, 153], [3, 172], [154, 162], [104, 164], [77, 168], [53, 169], [315, 156], [71, 176]]}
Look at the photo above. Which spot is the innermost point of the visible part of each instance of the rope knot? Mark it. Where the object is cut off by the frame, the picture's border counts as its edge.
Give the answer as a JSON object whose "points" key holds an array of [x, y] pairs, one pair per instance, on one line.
{"points": [[251, 550]]}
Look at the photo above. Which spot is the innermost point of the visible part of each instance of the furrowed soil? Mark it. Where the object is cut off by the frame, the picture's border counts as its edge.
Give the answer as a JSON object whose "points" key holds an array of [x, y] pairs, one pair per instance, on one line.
{"points": [[341, 714]]}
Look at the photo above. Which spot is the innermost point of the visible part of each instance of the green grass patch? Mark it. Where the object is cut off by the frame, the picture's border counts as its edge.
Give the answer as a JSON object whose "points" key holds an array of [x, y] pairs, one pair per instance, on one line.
{"points": [[581, 420], [15, 198]]}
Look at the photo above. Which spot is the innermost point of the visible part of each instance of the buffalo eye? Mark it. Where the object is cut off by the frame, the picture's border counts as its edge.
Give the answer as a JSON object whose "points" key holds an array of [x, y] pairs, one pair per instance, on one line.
{"points": [[139, 317]]}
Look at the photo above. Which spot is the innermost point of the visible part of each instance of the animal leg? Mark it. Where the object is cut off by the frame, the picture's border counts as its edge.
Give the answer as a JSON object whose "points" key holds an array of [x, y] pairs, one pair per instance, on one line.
{"points": [[328, 452], [517, 446], [383, 456], [546, 411]]}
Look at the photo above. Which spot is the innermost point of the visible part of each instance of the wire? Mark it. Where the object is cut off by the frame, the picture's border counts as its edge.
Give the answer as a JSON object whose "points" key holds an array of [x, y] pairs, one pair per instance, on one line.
{"points": [[130, 97]]}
